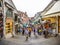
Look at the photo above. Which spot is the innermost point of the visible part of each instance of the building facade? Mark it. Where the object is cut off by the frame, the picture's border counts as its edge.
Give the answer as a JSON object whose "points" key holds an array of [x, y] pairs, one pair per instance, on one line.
{"points": [[1, 18], [37, 18], [16, 21], [24, 18], [7, 8], [52, 13]]}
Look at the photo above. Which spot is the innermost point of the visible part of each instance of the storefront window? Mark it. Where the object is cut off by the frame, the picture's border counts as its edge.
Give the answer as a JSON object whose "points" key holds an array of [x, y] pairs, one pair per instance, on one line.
{"points": [[9, 13]]}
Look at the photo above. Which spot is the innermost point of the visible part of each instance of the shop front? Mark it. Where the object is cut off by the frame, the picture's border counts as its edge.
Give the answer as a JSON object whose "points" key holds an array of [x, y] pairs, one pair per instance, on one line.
{"points": [[9, 28], [1, 19], [52, 21], [55, 23]]}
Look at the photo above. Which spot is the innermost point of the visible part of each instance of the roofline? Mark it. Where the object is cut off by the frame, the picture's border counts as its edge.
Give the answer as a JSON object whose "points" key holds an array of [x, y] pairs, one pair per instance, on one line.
{"points": [[53, 13], [51, 4]]}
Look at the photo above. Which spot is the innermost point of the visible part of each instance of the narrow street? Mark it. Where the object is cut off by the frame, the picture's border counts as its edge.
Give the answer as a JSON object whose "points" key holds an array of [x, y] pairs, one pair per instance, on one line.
{"points": [[29, 22], [20, 40]]}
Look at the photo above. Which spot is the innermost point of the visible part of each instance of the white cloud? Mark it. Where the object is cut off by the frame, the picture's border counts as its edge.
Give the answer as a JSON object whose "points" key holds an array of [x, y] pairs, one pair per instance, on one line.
{"points": [[31, 6]]}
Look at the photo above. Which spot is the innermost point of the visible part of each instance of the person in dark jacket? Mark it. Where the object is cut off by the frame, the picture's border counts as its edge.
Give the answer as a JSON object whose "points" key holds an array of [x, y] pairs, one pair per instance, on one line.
{"points": [[23, 31]]}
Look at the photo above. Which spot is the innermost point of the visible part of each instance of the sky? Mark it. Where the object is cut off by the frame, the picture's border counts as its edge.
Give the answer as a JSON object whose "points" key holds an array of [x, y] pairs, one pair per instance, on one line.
{"points": [[31, 6]]}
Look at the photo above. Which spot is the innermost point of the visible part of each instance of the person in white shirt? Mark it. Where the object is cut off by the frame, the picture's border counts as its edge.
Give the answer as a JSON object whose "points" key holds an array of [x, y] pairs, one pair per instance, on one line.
{"points": [[26, 34]]}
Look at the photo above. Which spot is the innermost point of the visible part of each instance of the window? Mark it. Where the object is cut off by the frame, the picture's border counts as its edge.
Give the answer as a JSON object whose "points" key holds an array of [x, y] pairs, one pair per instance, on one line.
{"points": [[0, 3], [16, 17], [9, 13]]}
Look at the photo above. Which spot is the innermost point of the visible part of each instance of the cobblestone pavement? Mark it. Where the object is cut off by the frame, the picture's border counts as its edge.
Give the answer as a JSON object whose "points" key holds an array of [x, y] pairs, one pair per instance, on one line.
{"points": [[20, 40]]}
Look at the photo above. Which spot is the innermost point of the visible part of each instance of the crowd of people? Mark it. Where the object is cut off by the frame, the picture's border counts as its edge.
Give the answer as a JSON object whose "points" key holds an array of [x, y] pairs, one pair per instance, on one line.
{"points": [[41, 29], [36, 32]]}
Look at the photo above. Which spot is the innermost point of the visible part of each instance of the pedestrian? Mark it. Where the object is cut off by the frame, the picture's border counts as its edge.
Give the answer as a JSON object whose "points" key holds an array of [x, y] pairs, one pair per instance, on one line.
{"points": [[35, 32], [39, 31], [18, 31], [50, 31], [46, 28], [44, 32], [23, 31], [30, 29], [54, 32], [26, 34]]}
